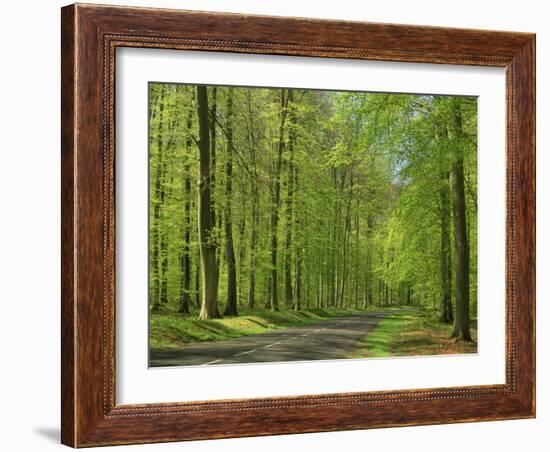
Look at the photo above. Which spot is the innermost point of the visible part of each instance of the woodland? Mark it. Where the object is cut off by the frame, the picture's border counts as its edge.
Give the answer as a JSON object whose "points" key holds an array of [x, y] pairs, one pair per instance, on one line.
{"points": [[276, 199]]}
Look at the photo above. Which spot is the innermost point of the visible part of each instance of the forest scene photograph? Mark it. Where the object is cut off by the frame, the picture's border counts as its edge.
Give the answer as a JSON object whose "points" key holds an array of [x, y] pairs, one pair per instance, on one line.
{"points": [[290, 224]]}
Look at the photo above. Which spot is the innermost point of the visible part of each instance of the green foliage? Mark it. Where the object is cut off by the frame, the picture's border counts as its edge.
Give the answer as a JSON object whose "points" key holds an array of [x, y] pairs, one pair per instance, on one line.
{"points": [[359, 214]]}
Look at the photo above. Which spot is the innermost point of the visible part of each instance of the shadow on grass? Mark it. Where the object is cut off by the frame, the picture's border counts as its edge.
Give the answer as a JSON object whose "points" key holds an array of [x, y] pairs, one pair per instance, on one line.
{"points": [[257, 322]]}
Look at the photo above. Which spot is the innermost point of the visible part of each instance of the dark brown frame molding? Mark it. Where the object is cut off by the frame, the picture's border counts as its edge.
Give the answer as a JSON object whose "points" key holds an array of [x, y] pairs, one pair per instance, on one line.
{"points": [[90, 35]]}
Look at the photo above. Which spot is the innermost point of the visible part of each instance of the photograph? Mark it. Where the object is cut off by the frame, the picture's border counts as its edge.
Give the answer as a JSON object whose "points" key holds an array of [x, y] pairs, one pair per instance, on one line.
{"points": [[278, 220], [292, 224]]}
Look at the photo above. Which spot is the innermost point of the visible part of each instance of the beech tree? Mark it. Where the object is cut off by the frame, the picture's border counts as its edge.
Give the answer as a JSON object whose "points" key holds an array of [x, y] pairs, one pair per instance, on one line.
{"points": [[312, 199], [209, 273]]}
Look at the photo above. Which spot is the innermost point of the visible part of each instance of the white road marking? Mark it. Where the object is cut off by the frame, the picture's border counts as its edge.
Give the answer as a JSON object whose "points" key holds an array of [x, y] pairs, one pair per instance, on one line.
{"points": [[271, 345], [245, 353], [212, 362], [275, 343]]}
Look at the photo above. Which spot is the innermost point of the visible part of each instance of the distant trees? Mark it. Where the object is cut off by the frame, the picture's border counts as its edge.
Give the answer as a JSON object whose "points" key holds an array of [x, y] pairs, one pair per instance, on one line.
{"points": [[312, 198]]}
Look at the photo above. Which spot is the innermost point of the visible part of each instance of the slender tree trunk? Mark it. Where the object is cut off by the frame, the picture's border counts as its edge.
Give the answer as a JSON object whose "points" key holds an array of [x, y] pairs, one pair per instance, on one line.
{"points": [[274, 301], [198, 295], [242, 257], [215, 215], [165, 194], [154, 268], [368, 259], [255, 208], [462, 251], [299, 249], [253, 247], [276, 201], [346, 244], [445, 250], [356, 263], [231, 307], [289, 206], [298, 284], [334, 242], [163, 265], [209, 305], [185, 296]]}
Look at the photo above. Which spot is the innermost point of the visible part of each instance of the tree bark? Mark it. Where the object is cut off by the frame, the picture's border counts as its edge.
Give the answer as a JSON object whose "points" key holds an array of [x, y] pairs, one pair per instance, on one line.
{"points": [[231, 307], [186, 251], [198, 295], [276, 201], [209, 305], [446, 315], [215, 216], [462, 252], [289, 206], [253, 248], [255, 208], [154, 268], [163, 243]]}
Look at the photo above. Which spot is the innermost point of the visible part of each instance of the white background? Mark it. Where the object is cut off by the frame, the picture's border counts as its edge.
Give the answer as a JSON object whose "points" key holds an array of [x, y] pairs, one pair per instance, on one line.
{"points": [[138, 384], [29, 118]]}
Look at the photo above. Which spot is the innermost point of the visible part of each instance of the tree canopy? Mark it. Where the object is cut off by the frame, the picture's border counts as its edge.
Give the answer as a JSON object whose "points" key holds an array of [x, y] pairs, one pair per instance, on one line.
{"points": [[292, 198]]}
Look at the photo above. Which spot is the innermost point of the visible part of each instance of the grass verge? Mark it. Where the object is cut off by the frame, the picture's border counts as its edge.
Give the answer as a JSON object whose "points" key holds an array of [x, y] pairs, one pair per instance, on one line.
{"points": [[412, 333], [169, 329]]}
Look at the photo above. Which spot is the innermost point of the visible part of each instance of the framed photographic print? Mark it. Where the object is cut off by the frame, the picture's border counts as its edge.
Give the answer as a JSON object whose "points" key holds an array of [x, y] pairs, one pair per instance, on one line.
{"points": [[281, 225]]}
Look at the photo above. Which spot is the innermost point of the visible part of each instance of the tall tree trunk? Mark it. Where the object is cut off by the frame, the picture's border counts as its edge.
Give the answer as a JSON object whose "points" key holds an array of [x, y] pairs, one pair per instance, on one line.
{"points": [[299, 249], [368, 259], [346, 243], [215, 215], [165, 194], [289, 205], [462, 251], [154, 268], [241, 257], [209, 305], [356, 263], [231, 307], [276, 201], [198, 294], [255, 209], [163, 244], [298, 284], [446, 315], [185, 297], [253, 248], [320, 283]]}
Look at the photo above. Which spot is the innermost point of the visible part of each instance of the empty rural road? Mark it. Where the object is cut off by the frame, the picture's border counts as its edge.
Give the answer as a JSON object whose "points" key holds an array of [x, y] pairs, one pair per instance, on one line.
{"points": [[326, 339]]}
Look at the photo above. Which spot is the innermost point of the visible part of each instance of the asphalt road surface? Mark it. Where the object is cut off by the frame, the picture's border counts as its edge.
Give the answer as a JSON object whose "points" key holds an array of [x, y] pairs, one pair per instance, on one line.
{"points": [[326, 339]]}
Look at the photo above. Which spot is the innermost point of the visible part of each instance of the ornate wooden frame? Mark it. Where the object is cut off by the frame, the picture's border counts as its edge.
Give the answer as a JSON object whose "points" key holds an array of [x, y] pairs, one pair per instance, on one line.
{"points": [[90, 35]]}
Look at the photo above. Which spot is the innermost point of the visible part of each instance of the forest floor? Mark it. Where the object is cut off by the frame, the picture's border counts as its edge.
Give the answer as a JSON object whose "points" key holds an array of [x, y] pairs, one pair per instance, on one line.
{"points": [[171, 330], [413, 333]]}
